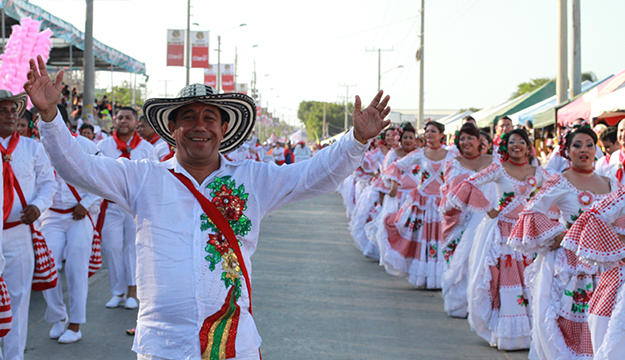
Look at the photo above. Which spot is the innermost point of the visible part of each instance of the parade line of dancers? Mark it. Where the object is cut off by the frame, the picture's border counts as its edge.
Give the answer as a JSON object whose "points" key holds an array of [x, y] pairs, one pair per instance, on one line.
{"points": [[533, 259]]}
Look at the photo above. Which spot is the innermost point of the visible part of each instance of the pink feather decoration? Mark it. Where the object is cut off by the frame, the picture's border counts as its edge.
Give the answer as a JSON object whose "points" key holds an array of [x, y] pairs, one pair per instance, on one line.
{"points": [[25, 43]]}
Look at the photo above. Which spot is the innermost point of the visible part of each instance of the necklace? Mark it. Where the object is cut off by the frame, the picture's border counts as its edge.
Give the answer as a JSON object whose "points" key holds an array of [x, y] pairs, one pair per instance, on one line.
{"points": [[578, 170], [516, 163], [434, 148], [472, 157]]}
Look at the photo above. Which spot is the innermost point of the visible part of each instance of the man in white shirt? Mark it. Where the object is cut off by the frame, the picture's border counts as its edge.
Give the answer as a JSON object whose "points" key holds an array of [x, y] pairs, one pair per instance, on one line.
{"points": [[147, 133], [193, 280], [118, 230], [617, 158], [302, 152], [35, 177], [68, 229]]}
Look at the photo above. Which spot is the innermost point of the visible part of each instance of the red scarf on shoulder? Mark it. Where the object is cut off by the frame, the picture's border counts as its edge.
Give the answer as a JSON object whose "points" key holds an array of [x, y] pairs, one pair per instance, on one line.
{"points": [[125, 148]]}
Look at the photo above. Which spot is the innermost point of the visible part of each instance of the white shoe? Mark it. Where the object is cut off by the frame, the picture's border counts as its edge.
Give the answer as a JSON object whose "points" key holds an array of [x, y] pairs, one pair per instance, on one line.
{"points": [[115, 301], [131, 303], [57, 329], [70, 336]]}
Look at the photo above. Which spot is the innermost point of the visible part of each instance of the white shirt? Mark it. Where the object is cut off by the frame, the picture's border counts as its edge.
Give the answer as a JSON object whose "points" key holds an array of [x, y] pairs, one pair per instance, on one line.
{"points": [[278, 153], [302, 153], [177, 290], [144, 150], [161, 147], [34, 174], [64, 198]]}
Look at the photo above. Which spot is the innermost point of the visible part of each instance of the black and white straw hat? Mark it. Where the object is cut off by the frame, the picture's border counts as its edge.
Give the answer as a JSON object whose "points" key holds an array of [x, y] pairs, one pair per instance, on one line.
{"points": [[20, 99], [240, 108]]}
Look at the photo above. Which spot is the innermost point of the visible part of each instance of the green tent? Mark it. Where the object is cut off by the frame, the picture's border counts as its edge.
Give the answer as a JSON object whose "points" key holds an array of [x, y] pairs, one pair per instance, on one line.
{"points": [[522, 102]]}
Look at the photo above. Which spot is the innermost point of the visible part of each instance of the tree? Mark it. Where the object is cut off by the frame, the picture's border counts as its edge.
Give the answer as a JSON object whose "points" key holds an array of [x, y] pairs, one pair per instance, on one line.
{"points": [[590, 76], [123, 95], [530, 86], [311, 114]]}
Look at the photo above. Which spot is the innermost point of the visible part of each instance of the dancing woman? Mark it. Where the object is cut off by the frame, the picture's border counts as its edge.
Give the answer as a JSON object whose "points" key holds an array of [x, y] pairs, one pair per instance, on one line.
{"points": [[561, 285], [459, 227], [410, 239], [368, 200], [407, 135], [497, 296], [597, 239]]}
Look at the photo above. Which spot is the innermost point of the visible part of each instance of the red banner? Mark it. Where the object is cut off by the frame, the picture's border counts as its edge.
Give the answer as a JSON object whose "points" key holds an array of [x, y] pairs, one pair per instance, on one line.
{"points": [[227, 82], [175, 47], [199, 49], [210, 76], [210, 80]]}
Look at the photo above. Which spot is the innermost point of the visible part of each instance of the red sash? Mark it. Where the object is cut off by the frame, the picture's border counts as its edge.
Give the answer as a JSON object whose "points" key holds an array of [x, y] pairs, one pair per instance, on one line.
{"points": [[619, 172], [170, 155], [95, 259], [224, 227], [8, 178]]}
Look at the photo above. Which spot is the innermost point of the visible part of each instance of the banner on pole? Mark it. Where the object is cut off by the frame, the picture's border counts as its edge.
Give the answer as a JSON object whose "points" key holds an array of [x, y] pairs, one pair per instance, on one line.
{"points": [[210, 76], [227, 77], [241, 88], [199, 49], [175, 47]]}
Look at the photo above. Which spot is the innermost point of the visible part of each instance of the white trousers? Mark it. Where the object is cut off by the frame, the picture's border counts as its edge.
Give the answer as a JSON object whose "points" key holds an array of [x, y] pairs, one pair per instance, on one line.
{"points": [[118, 245], [17, 246], [70, 240], [253, 355]]}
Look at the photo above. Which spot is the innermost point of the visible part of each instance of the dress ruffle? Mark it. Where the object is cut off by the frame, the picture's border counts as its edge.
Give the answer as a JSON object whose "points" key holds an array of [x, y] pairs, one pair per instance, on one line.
{"points": [[615, 336], [467, 197], [594, 241], [534, 232]]}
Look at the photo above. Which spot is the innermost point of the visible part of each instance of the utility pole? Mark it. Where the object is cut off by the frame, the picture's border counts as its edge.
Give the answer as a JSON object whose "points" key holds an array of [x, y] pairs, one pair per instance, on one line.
{"points": [[379, 63], [188, 41], [236, 60], [421, 67], [345, 124], [575, 72], [325, 125], [165, 81], [561, 80], [89, 65], [218, 64]]}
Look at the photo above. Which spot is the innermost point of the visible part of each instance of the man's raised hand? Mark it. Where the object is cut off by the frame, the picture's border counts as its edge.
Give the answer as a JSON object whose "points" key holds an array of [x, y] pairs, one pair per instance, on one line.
{"points": [[43, 93], [368, 123]]}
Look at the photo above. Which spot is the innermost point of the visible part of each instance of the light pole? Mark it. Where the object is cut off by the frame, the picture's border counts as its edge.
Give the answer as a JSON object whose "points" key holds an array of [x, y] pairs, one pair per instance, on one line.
{"points": [[387, 71], [89, 64], [219, 53]]}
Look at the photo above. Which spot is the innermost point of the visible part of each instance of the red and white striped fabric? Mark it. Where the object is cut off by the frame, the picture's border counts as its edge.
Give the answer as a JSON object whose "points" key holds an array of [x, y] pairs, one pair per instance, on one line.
{"points": [[95, 260], [592, 238], [6, 317], [45, 276]]}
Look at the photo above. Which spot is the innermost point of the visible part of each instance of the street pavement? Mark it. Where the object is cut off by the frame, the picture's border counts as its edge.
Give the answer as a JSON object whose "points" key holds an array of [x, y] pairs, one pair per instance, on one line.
{"points": [[314, 295]]}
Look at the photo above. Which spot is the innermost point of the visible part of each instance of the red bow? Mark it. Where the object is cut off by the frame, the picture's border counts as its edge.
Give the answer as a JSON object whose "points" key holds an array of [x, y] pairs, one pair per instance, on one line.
{"points": [[619, 172]]}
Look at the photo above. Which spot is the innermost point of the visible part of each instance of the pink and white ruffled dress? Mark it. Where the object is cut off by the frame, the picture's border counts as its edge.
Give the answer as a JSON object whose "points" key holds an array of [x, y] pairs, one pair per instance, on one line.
{"points": [[499, 303], [595, 242], [561, 285], [411, 239], [458, 233]]}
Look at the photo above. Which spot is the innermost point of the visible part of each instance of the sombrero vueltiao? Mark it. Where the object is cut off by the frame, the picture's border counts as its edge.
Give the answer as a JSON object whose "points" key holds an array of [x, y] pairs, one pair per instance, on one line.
{"points": [[19, 99], [240, 108]]}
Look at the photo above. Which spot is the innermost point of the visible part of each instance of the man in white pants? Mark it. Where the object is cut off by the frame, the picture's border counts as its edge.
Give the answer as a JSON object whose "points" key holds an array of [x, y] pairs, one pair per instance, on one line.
{"points": [[35, 176], [68, 230], [119, 231]]}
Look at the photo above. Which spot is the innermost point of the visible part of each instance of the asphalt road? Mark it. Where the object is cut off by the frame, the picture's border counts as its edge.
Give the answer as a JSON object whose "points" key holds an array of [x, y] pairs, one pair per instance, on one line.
{"points": [[315, 297]]}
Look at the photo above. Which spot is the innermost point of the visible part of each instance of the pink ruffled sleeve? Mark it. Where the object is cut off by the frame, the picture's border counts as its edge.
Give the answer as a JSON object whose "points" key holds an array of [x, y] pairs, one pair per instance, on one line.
{"points": [[534, 232], [593, 239], [392, 172], [467, 194]]}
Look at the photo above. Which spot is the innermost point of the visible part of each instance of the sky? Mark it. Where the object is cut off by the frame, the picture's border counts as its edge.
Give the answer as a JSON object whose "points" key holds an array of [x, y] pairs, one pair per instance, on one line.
{"points": [[476, 51]]}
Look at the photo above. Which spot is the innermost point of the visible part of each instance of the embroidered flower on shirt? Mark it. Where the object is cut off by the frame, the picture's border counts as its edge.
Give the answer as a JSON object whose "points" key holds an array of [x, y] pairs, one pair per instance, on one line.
{"points": [[433, 251], [416, 169], [449, 250], [531, 181], [231, 201], [505, 200], [581, 298], [522, 301], [424, 176]]}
